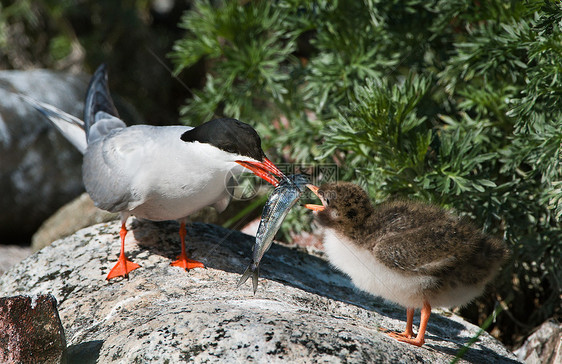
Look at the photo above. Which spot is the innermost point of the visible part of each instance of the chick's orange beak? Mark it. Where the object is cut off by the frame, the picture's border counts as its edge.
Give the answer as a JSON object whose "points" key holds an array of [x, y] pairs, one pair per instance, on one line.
{"points": [[265, 170], [313, 207]]}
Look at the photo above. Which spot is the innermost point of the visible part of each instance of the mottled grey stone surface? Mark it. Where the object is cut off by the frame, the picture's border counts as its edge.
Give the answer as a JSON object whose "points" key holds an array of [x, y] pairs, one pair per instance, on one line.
{"points": [[544, 346], [75, 215], [11, 255], [303, 312]]}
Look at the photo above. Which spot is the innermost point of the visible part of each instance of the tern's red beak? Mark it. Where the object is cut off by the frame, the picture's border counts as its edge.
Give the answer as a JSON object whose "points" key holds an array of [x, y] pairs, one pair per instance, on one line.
{"points": [[264, 170], [312, 207]]}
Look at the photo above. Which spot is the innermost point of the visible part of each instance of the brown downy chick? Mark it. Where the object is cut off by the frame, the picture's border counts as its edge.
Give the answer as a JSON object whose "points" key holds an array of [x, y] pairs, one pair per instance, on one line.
{"points": [[415, 254]]}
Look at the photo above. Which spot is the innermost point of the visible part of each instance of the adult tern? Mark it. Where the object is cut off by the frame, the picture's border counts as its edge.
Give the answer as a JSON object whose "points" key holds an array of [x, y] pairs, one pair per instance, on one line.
{"points": [[157, 172]]}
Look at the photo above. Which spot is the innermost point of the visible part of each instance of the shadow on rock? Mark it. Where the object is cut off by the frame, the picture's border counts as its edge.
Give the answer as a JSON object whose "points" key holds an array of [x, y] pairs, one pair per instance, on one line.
{"points": [[84, 353], [475, 354]]}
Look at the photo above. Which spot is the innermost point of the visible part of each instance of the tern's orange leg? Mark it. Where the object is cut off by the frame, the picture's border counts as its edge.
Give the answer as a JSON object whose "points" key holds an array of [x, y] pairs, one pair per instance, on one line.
{"points": [[418, 340], [182, 260], [123, 265]]}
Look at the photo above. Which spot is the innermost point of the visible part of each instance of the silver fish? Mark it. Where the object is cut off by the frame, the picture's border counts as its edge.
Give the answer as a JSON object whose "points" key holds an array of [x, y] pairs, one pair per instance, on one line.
{"points": [[282, 199]]}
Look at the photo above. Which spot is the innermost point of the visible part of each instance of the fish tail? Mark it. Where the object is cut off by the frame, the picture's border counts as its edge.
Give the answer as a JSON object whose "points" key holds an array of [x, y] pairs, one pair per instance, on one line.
{"points": [[252, 271], [255, 279]]}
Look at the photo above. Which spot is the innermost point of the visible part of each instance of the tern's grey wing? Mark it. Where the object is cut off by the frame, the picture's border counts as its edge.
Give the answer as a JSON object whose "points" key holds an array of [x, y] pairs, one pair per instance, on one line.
{"points": [[103, 125], [98, 99], [70, 127], [111, 164]]}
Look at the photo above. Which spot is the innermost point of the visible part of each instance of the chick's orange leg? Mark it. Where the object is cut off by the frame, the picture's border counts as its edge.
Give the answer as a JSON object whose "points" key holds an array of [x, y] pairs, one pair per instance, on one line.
{"points": [[419, 339], [408, 333], [182, 260], [123, 265]]}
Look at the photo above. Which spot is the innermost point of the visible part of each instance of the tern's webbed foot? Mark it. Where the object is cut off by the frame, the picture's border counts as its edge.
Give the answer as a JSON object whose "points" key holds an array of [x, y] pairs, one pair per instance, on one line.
{"points": [[184, 262], [122, 268]]}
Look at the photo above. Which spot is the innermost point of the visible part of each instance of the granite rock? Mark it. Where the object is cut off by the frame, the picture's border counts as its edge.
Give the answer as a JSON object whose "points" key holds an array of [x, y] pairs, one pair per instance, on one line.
{"points": [[75, 215], [11, 255], [544, 346], [304, 311]]}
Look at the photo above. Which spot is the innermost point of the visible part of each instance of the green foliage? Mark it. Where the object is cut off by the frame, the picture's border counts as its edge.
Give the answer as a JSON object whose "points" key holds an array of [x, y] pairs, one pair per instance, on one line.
{"points": [[252, 50], [381, 125], [453, 102]]}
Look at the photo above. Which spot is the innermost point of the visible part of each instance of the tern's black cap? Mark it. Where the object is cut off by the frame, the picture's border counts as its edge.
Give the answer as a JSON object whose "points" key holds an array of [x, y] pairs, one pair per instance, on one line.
{"points": [[230, 135]]}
